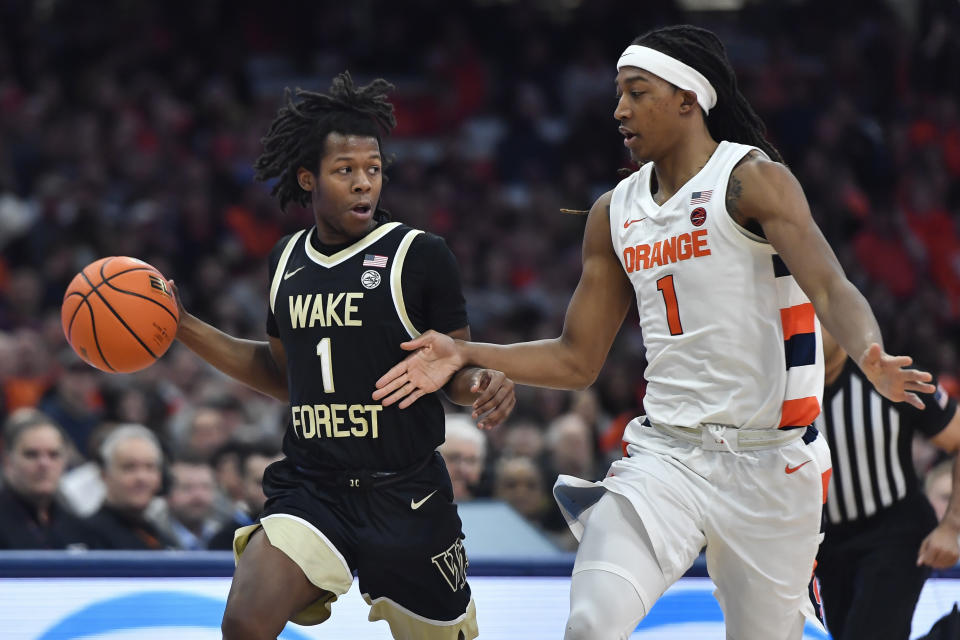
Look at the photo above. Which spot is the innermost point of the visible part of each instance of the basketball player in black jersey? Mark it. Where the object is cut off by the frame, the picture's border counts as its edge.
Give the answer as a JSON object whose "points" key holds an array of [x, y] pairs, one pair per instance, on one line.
{"points": [[361, 488]]}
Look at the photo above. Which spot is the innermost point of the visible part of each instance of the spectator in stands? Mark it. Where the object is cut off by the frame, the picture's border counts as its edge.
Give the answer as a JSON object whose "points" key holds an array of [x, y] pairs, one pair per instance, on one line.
{"points": [[523, 438], [938, 485], [254, 463], [570, 450], [25, 369], [133, 401], [570, 447], [464, 452], [8, 371], [82, 487], [518, 482], [132, 460], [190, 503], [227, 464], [34, 456], [887, 253], [207, 432], [71, 401]]}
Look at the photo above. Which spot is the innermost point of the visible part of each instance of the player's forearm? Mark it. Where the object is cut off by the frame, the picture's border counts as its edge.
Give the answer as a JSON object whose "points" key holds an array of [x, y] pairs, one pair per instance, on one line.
{"points": [[847, 316], [248, 361], [542, 363]]}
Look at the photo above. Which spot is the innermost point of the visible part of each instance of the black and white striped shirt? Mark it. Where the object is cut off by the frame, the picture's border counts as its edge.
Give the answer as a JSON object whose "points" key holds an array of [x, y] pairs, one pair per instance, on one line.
{"points": [[870, 444]]}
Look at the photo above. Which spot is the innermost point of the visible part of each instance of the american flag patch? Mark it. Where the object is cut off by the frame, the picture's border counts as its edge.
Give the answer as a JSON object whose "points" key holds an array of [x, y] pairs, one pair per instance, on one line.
{"points": [[699, 197], [370, 260], [941, 397]]}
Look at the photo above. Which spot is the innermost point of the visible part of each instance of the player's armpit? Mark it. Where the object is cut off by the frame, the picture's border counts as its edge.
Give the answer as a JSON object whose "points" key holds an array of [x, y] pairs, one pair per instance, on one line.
{"points": [[278, 359]]}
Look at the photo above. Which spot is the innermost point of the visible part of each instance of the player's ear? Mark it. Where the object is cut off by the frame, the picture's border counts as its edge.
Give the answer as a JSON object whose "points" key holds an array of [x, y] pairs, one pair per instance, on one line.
{"points": [[306, 179], [689, 100]]}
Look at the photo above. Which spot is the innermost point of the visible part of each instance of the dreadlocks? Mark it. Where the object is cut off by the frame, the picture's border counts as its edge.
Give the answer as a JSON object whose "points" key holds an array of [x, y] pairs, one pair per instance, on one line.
{"points": [[732, 118], [297, 135]]}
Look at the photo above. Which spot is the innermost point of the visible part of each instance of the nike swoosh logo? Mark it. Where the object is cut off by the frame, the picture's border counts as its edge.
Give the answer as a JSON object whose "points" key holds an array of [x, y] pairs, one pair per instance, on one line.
{"points": [[419, 503], [630, 222], [790, 469], [290, 274]]}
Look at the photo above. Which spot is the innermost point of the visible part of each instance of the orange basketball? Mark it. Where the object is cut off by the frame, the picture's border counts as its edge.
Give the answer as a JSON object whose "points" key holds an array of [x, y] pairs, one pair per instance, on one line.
{"points": [[119, 314]]}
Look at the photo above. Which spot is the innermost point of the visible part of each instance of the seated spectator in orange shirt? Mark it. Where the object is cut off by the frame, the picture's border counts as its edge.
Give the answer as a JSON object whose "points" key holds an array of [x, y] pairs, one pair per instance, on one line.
{"points": [[34, 457]]}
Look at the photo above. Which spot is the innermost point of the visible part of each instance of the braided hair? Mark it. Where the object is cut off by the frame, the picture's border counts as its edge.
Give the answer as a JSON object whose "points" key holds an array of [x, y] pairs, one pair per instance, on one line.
{"points": [[297, 136], [732, 118]]}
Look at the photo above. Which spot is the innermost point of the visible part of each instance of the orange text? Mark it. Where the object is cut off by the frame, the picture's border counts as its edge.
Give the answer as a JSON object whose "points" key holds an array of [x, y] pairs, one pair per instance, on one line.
{"points": [[662, 252]]}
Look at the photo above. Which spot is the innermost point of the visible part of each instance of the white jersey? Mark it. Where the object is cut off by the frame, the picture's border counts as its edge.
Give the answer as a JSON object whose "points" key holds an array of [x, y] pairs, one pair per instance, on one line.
{"points": [[730, 337]]}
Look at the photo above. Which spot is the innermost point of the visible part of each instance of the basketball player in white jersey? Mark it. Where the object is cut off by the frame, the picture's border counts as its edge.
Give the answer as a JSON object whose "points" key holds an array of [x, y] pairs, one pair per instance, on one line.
{"points": [[714, 238]]}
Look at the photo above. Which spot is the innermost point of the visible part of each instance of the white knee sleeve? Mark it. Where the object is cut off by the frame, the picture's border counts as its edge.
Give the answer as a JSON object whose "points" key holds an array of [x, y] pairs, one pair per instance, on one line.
{"points": [[603, 606], [616, 541], [616, 576]]}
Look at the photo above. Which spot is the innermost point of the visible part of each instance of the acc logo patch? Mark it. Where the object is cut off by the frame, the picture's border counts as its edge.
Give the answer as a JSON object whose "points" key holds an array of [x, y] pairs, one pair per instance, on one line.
{"points": [[370, 279], [698, 216]]}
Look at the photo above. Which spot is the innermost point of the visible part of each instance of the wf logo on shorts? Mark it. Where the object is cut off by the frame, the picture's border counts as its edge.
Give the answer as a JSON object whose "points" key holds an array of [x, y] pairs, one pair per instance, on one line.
{"points": [[452, 565]]}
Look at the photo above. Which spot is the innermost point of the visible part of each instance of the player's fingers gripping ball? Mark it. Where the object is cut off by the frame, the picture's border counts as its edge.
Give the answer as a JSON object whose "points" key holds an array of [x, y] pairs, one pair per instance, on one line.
{"points": [[119, 314]]}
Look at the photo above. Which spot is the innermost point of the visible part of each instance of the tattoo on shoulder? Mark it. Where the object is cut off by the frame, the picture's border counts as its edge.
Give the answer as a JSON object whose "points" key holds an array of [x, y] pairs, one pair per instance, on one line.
{"points": [[734, 191]]}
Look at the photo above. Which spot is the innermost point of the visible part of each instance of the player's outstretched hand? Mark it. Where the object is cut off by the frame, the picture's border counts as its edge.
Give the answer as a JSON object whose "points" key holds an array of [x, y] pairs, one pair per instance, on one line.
{"points": [[939, 549], [434, 360], [496, 397], [891, 380]]}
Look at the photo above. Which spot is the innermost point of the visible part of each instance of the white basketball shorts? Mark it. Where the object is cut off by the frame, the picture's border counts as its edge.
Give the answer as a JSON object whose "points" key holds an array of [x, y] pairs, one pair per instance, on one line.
{"points": [[758, 512]]}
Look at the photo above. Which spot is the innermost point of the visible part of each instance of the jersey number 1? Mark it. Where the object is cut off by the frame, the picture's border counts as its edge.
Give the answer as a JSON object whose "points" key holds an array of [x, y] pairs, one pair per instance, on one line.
{"points": [[326, 366], [665, 286]]}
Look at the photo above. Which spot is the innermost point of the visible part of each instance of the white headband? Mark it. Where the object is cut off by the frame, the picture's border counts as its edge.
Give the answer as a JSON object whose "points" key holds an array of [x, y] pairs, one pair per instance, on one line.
{"points": [[671, 70]]}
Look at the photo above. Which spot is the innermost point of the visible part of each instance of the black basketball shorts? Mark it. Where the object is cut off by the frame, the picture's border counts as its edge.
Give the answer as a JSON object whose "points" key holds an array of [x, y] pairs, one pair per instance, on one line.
{"points": [[403, 541]]}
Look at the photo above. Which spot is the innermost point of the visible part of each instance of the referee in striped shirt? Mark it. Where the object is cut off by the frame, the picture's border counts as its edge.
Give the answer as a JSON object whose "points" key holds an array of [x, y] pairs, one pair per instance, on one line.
{"points": [[882, 536]]}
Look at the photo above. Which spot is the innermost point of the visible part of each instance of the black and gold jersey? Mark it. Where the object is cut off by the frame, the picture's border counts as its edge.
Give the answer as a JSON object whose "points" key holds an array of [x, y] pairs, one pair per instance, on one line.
{"points": [[341, 314]]}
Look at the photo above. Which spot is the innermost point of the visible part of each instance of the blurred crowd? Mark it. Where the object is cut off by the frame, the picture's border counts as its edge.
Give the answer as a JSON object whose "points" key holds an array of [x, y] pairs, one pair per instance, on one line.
{"points": [[129, 128]]}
